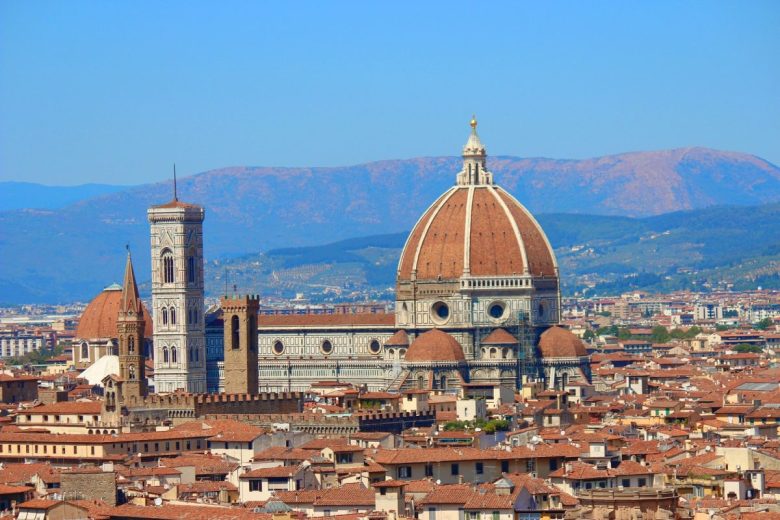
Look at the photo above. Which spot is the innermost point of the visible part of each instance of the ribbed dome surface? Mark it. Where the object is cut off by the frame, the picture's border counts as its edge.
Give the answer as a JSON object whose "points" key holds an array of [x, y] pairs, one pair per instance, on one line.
{"points": [[99, 318], [557, 342], [479, 230], [435, 345]]}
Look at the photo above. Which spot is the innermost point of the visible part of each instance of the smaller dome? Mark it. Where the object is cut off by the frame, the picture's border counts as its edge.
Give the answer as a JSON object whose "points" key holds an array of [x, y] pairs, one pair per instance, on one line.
{"points": [[399, 339], [557, 342], [435, 345], [98, 321], [500, 337]]}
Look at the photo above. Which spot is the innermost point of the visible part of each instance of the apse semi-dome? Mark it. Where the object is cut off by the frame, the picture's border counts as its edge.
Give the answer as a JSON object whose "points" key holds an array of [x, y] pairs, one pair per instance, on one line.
{"points": [[476, 229], [557, 342], [434, 346], [99, 318]]}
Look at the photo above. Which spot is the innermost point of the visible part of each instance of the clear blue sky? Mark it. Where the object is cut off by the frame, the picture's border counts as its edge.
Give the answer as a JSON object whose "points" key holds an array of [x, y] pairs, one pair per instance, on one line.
{"points": [[115, 92]]}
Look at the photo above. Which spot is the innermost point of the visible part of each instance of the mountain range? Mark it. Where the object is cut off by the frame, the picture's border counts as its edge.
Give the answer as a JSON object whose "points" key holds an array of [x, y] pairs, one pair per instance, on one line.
{"points": [[720, 246], [52, 253]]}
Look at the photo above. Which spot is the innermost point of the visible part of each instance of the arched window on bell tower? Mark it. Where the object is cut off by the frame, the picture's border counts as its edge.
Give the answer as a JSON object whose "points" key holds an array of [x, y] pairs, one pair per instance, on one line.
{"points": [[167, 266], [131, 372], [131, 344]]}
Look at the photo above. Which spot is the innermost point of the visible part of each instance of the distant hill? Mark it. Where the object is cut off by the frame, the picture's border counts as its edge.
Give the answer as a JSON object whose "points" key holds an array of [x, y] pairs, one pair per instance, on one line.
{"points": [[696, 249], [72, 252], [20, 195]]}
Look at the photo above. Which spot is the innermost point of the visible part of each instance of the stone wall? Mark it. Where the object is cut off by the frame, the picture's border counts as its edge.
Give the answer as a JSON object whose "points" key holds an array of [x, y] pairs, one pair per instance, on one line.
{"points": [[89, 484]]}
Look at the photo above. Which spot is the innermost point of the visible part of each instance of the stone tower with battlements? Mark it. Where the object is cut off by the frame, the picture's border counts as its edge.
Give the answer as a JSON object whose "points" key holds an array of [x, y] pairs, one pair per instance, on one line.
{"points": [[239, 314], [177, 296], [130, 325]]}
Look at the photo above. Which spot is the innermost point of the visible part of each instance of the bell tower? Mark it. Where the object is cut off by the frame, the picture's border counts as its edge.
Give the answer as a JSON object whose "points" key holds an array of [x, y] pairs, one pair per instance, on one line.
{"points": [[130, 333], [177, 296], [239, 314]]}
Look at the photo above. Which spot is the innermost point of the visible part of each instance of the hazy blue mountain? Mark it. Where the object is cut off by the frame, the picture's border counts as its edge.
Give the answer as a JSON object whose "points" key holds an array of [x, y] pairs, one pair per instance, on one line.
{"points": [[72, 252], [20, 195], [597, 254]]}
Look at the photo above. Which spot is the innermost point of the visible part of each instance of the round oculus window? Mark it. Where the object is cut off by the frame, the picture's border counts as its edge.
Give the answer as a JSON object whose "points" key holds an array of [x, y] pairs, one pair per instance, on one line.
{"points": [[278, 347], [374, 347], [496, 310], [326, 347], [441, 312]]}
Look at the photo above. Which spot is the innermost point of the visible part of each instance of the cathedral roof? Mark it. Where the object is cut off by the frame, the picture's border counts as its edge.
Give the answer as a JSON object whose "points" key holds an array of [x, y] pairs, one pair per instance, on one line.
{"points": [[435, 345], [476, 229], [379, 319], [98, 321], [557, 342], [399, 339], [500, 337]]}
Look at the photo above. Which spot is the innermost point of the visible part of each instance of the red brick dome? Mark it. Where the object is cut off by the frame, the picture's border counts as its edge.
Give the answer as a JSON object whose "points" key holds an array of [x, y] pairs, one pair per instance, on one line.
{"points": [[479, 230], [435, 345], [476, 229], [557, 342], [99, 318]]}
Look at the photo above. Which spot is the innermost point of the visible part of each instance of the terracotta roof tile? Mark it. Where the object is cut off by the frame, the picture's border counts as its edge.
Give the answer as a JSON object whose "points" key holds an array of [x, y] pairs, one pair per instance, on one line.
{"points": [[435, 345], [557, 342], [99, 318], [380, 319]]}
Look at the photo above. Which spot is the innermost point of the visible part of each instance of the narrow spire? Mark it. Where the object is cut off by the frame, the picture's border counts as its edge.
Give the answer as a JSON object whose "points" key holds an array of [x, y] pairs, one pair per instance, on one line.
{"points": [[175, 194], [131, 303]]}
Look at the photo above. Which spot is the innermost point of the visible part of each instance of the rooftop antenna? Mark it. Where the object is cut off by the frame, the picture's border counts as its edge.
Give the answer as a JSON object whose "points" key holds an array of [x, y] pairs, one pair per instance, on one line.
{"points": [[175, 195]]}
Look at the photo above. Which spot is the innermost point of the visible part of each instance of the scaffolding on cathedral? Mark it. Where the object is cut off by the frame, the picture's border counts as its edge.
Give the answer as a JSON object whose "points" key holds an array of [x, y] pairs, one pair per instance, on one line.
{"points": [[529, 366]]}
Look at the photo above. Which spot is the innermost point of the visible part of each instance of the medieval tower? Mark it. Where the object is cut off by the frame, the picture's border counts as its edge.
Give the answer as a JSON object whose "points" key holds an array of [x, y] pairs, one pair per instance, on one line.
{"points": [[177, 296], [130, 333], [240, 325]]}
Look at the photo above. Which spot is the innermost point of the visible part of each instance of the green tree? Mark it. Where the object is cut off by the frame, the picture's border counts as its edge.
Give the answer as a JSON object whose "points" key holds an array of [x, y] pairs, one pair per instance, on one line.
{"points": [[693, 332], [612, 330], [624, 333], [764, 324], [721, 328], [660, 334], [755, 349], [589, 335]]}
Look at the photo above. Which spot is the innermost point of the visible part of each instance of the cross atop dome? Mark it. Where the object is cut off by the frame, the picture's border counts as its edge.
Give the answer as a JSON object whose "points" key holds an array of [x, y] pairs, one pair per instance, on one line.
{"points": [[474, 171]]}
